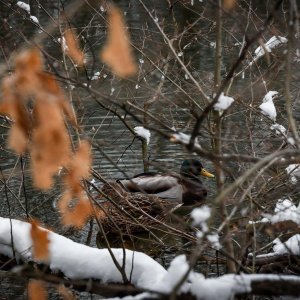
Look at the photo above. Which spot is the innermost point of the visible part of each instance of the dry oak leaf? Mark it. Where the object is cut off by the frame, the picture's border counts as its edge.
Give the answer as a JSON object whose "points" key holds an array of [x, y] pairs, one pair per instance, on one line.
{"points": [[14, 107], [40, 242], [50, 148], [117, 53], [36, 290], [77, 215], [229, 4], [73, 49]]}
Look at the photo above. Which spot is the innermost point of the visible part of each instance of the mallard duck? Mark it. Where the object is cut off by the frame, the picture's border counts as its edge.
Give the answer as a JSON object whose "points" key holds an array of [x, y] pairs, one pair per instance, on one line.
{"points": [[185, 188], [134, 205]]}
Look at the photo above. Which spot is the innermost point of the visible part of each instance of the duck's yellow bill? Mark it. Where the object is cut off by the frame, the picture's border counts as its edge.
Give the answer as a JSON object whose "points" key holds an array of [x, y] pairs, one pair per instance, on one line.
{"points": [[206, 173]]}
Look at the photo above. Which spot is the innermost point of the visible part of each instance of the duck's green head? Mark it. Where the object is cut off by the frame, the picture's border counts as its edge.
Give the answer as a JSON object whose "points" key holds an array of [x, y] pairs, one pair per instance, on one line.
{"points": [[193, 167]]}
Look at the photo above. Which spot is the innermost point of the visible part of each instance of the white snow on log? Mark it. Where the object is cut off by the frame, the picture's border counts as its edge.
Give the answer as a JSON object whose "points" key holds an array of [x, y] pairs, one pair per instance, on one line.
{"points": [[176, 271], [143, 133], [272, 43], [223, 102], [78, 261], [279, 129], [184, 138], [268, 107], [293, 171], [224, 287], [24, 6]]}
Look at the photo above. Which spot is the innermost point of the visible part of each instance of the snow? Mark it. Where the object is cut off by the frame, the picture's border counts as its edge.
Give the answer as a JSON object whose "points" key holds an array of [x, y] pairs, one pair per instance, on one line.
{"points": [[224, 287], [285, 210], [272, 43], [143, 133], [184, 139], [178, 268], [34, 19], [268, 107], [269, 96], [293, 171], [292, 246], [214, 240], [96, 76], [200, 215], [24, 6], [223, 102], [279, 129], [79, 261]]}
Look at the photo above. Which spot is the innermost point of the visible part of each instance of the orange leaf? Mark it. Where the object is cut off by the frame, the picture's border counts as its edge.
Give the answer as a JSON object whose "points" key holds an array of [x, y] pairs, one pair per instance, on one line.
{"points": [[118, 53], [78, 216], [27, 65], [73, 49], [17, 140], [82, 160], [40, 242], [36, 290]]}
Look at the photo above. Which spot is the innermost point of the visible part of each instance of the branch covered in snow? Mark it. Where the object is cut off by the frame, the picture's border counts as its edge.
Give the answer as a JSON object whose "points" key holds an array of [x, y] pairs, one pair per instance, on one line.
{"points": [[143, 133], [78, 262]]}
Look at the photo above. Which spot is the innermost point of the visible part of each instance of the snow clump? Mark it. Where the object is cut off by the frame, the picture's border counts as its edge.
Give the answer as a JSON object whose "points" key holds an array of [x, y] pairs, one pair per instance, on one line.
{"points": [[223, 102], [293, 171], [143, 133], [268, 107]]}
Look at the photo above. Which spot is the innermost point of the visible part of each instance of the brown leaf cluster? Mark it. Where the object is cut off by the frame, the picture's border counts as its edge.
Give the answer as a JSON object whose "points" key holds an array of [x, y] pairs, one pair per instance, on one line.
{"points": [[40, 242], [40, 130], [117, 53], [229, 5], [36, 290], [73, 49], [74, 205]]}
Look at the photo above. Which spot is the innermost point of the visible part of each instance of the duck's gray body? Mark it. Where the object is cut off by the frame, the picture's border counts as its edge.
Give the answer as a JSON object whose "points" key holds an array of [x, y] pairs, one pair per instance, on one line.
{"points": [[171, 186]]}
